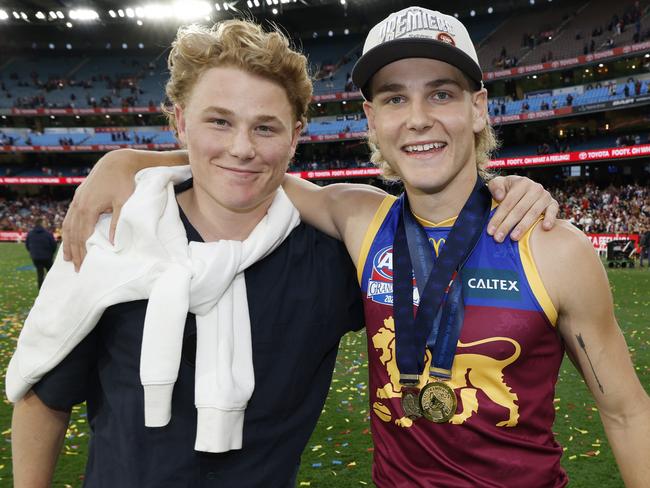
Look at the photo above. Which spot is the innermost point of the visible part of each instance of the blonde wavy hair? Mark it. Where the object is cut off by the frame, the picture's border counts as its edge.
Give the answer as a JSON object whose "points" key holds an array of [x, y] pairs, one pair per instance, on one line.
{"points": [[241, 44]]}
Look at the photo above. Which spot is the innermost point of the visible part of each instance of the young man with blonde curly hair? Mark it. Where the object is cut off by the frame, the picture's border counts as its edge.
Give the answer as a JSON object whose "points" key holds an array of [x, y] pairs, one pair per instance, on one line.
{"points": [[240, 122], [230, 399]]}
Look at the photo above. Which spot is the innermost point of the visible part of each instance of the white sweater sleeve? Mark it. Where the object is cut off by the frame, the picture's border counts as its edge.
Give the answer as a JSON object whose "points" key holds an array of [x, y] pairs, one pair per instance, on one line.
{"points": [[70, 304]]}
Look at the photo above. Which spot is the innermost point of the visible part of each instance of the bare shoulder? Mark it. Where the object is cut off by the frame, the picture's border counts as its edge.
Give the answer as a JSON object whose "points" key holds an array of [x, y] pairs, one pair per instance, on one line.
{"points": [[355, 208], [569, 267]]}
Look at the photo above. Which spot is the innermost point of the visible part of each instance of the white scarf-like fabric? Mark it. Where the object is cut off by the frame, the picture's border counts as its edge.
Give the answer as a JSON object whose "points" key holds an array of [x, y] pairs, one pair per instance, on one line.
{"points": [[152, 259]]}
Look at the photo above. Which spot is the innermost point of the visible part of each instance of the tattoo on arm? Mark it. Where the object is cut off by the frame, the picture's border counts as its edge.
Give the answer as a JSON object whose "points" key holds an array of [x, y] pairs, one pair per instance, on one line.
{"points": [[581, 342]]}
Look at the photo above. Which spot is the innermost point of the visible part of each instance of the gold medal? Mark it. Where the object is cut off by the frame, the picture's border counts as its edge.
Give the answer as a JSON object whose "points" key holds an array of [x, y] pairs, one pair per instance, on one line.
{"points": [[411, 404], [438, 402]]}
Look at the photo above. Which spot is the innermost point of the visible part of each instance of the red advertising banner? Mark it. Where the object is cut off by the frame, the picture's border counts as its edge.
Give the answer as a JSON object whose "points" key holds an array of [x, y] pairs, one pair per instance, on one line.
{"points": [[578, 157], [332, 97], [84, 148], [575, 157], [12, 236], [41, 180], [600, 241], [84, 111], [566, 63], [326, 174], [332, 137]]}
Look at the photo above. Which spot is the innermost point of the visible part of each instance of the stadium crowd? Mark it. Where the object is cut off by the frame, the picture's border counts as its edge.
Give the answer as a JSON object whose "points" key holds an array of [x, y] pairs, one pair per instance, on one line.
{"points": [[20, 214], [610, 210], [613, 209]]}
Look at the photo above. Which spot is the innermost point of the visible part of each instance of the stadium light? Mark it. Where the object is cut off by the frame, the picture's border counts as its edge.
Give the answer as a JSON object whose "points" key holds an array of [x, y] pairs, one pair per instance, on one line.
{"points": [[342, 2], [60, 15], [249, 3], [112, 13], [225, 6], [256, 3], [330, 33], [139, 12], [120, 12], [23, 15], [490, 10], [40, 15], [275, 11], [52, 14], [68, 46], [191, 9], [346, 31], [140, 23], [130, 13], [16, 15], [3, 15], [68, 25], [472, 13], [83, 14], [217, 6]]}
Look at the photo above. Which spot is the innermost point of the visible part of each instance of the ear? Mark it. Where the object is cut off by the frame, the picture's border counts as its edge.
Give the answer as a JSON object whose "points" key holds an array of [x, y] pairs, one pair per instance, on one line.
{"points": [[179, 114], [479, 110], [370, 115]]}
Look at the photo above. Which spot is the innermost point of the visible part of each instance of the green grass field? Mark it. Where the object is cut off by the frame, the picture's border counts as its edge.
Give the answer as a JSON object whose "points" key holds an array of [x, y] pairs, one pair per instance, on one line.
{"points": [[340, 451]]}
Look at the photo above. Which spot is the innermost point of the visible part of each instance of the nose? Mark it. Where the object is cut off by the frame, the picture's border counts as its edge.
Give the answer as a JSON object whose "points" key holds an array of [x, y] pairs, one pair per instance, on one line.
{"points": [[419, 117], [242, 146]]}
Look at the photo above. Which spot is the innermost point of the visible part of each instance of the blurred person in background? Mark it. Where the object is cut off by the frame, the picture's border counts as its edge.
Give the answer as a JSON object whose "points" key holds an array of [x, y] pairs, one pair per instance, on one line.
{"points": [[41, 246]]}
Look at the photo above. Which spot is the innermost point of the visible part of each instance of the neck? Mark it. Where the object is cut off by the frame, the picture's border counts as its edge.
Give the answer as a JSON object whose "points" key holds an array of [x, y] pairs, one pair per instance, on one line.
{"points": [[215, 222], [437, 205]]}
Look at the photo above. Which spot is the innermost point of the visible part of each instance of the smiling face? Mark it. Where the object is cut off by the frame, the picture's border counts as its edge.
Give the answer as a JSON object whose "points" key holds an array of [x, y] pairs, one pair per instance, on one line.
{"points": [[423, 117], [240, 133]]}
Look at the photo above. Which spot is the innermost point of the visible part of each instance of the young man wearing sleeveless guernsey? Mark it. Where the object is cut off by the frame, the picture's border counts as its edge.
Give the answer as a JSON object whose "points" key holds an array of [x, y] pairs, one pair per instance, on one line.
{"points": [[479, 412]]}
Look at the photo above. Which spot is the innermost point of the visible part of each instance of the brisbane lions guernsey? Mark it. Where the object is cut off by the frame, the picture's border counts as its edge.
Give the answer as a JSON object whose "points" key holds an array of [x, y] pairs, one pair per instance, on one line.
{"points": [[504, 372]]}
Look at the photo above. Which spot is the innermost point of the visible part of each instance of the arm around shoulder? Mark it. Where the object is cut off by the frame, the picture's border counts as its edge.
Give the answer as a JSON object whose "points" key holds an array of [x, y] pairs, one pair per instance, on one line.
{"points": [[578, 286], [341, 210], [37, 434]]}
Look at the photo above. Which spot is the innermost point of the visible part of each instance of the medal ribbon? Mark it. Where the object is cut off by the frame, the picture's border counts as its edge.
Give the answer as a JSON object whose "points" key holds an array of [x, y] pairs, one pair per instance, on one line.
{"points": [[433, 325]]}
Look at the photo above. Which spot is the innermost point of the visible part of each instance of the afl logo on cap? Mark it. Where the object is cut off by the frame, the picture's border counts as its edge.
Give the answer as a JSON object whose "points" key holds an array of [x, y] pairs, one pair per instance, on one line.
{"points": [[444, 37]]}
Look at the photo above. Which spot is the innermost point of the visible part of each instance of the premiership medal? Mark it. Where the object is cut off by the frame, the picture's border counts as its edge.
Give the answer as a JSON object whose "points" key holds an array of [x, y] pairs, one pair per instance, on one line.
{"points": [[436, 324], [411, 404], [438, 402]]}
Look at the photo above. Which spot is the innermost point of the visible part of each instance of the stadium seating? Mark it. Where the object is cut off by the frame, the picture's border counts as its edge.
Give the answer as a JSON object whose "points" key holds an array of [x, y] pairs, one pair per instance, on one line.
{"points": [[593, 17]]}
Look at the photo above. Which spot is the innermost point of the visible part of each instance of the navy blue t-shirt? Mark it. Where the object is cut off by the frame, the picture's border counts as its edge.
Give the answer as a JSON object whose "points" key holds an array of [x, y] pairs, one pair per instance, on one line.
{"points": [[302, 299]]}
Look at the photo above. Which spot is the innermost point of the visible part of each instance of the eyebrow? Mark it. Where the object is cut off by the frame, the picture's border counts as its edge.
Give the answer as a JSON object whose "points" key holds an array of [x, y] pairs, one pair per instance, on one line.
{"points": [[230, 113], [397, 87]]}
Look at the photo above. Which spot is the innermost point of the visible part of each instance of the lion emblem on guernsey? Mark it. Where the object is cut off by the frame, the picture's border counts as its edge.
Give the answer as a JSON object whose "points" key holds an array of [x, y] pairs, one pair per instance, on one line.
{"points": [[470, 373]]}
